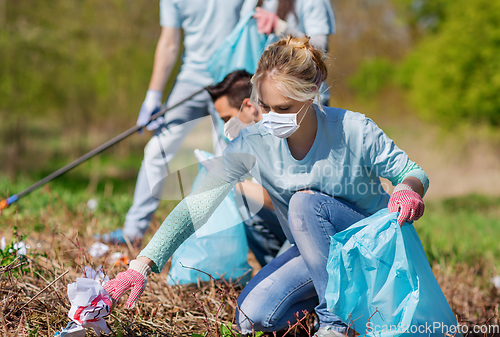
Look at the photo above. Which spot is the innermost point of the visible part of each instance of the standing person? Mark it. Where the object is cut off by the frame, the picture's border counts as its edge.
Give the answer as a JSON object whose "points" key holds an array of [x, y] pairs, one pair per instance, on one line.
{"points": [[313, 18], [321, 167], [205, 24]]}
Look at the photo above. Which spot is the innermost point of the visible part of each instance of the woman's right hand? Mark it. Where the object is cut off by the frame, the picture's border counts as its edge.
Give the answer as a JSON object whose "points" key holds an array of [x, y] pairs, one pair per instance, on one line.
{"points": [[135, 277]]}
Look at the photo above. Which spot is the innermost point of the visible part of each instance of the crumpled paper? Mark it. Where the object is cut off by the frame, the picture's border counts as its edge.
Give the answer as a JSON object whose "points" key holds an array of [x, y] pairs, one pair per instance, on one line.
{"points": [[90, 303], [496, 281]]}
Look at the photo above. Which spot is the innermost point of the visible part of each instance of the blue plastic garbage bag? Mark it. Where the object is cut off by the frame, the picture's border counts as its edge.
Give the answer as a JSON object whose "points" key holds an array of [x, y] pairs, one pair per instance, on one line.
{"points": [[380, 281], [218, 248], [240, 50]]}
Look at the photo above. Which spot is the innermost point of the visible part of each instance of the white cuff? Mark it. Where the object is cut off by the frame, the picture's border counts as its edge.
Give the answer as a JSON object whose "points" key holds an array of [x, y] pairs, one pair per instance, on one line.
{"points": [[153, 96], [402, 187], [140, 267]]}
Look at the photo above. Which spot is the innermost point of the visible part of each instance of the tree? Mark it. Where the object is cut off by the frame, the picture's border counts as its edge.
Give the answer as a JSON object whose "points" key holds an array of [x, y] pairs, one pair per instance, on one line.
{"points": [[454, 73]]}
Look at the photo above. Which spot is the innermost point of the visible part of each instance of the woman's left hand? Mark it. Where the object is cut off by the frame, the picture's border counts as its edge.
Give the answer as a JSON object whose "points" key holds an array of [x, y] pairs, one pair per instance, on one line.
{"points": [[407, 202], [266, 21]]}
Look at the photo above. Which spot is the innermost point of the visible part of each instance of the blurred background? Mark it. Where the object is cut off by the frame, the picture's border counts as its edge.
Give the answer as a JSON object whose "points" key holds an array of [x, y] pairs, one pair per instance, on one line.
{"points": [[74, 74]]}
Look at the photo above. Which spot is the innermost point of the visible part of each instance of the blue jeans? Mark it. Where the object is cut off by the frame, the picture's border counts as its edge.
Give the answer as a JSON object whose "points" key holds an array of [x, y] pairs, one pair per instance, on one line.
{"points": [[264, 235], [296, 280]]}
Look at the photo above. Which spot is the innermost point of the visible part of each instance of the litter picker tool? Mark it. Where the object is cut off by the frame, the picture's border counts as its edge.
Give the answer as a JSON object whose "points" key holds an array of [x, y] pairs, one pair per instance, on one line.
{"points": [[13, 198]]}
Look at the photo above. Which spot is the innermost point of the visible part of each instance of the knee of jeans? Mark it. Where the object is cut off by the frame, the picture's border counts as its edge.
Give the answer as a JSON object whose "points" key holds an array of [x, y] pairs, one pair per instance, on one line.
{"points": [[300, 199], [302, 205], [253, 317]]}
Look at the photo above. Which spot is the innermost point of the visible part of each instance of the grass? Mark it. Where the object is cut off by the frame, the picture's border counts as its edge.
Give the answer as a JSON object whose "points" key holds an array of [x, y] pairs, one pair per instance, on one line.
{"points": [[458, 235], [59, 233], [454, 230], [462, 229]]}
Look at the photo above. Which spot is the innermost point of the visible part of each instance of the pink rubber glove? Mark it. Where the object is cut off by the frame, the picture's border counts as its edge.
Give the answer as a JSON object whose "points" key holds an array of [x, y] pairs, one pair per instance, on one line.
{"points": [[407, 202], [266, 21], [135, 277]]}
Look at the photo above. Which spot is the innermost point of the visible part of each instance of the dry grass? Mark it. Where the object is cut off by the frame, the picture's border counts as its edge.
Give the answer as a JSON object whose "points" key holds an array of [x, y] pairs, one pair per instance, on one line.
{"points": [[162, 310], [28, 307], [165, 310], [473, 299]]}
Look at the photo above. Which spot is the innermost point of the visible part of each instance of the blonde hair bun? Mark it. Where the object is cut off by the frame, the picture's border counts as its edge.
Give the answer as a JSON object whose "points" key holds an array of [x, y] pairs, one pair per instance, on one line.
{"points": [[296, 67], [297, 42]]}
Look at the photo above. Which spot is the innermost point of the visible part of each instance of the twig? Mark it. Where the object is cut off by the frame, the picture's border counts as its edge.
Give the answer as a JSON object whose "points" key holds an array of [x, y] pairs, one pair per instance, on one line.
{"points": [[41, 291], [9, 267], [299, 321], [209, 330], [220, 287], [82, 254], [305, 312], [129, 244]]}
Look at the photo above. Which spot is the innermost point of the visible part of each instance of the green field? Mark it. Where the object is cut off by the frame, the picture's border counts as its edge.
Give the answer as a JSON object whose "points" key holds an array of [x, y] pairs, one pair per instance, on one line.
{"points": [[453, 230]]}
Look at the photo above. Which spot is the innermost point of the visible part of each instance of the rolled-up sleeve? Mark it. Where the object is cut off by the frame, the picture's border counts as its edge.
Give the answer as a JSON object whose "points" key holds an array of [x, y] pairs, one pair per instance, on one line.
{"points": [[386, 159], [169, 14]]}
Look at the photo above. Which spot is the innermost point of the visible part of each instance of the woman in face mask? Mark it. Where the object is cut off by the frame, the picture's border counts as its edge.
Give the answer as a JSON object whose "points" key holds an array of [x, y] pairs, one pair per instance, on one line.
{"points": [[321, 168]]}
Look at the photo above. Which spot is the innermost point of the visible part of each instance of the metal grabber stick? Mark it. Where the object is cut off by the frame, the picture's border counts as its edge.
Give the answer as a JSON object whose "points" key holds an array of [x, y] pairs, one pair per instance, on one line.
{"points": [[13, 198]]}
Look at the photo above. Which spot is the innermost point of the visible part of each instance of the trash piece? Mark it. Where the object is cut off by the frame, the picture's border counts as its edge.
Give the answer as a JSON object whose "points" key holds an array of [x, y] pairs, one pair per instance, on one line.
{"points": [[20, 247], [98, 249], [90, 303], [96, 274], [73, 329], [496, 281], [92, 205], [119, 259]]}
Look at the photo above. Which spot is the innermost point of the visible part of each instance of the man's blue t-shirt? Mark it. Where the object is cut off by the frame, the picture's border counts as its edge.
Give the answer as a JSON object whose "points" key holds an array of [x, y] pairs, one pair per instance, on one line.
{"points": [[205, 23]]}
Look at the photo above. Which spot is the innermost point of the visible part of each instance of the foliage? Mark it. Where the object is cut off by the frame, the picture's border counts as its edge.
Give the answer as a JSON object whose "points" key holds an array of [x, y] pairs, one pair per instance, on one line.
{"points": [[371, 77], [227, 331], [74, 66], [462, 229], [453, 75], [75, 58], [425, 16]]}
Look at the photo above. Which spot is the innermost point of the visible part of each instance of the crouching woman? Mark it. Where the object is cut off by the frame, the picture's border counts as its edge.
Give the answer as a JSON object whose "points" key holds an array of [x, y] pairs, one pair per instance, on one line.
{"points": [[321, 167]]}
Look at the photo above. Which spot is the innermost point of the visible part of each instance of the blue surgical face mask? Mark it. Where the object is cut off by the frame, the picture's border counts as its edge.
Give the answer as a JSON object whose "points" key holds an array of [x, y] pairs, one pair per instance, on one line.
{"points": [[282, 125]]}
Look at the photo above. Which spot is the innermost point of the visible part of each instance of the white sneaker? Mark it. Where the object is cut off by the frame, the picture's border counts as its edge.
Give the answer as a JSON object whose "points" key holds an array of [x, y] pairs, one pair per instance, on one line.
{"points": [[327, 331]]}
